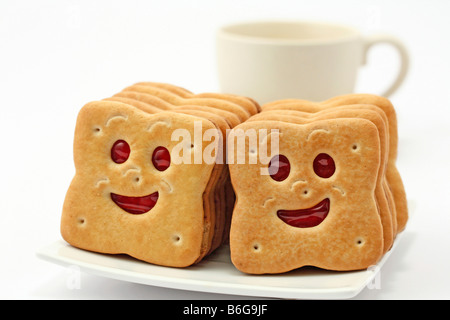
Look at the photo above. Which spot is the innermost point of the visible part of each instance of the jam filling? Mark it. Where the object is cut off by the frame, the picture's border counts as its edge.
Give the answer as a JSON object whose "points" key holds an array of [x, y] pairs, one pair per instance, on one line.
{"points": [[306, 218], [135, 205], [161, 158], [120, 151], [279, 167], [324, 165]]}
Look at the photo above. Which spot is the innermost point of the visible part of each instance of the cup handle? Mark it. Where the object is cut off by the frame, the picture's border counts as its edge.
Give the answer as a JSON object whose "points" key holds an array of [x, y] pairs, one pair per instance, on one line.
{"points": [[372, 40]]}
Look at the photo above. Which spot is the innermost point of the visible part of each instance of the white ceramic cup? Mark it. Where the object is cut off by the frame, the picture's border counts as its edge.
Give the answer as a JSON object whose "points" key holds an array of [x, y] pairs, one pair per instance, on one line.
{"points": [[315, 61]]}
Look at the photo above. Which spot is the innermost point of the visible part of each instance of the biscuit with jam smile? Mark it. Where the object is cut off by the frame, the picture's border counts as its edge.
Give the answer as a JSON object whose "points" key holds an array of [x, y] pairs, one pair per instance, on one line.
{"points": [[128, 196], [315, 204]]}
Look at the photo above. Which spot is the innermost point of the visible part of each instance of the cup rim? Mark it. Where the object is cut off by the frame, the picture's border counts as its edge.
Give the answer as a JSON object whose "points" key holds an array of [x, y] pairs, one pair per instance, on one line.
{"points": [[226, 31]]}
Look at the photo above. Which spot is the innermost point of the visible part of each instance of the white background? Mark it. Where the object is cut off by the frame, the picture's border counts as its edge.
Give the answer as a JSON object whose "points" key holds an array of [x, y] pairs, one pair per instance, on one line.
{"points": [[57, 55]]}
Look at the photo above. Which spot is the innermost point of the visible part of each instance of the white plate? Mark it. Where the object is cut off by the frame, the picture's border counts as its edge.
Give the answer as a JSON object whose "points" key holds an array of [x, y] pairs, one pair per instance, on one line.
{"points": [[217, 274]]}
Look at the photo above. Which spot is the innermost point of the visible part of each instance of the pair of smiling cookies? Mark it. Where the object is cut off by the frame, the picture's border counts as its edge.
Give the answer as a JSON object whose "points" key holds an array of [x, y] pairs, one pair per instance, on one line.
{"points": [[331, 197]]}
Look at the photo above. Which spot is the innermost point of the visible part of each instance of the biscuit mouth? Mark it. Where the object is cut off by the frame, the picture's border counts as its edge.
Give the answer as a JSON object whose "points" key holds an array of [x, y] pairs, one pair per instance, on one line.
{"points": [[135, 205], [306, 218]]}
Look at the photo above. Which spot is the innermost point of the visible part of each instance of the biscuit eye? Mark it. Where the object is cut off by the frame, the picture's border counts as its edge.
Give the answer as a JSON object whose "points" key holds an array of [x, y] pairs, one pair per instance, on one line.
{"points": [[279, 168], [161, 158], [120, 151], [324, 165]]}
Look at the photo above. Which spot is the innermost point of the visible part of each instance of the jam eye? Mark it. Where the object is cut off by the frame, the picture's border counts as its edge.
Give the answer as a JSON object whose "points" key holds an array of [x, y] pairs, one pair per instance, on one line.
{"points": [[279, 168], [161, 158], [120, 151], [324, 165]]}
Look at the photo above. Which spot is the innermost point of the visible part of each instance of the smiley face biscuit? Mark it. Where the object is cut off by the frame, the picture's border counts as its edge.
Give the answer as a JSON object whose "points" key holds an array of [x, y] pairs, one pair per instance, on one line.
{"points": [[382, 191], [128, 196], [388, 110], [164, 108], [315, 205]]}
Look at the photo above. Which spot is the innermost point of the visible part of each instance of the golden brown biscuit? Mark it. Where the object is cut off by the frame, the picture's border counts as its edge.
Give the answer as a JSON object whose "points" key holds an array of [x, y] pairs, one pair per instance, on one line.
{"points": [[135, 207], [319, 210], [129, 216], [382, 191]]}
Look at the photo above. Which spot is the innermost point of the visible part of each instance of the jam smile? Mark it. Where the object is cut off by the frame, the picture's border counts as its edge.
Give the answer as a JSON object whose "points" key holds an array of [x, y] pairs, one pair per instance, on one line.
{"points": [[306, 218], [135, 205]]}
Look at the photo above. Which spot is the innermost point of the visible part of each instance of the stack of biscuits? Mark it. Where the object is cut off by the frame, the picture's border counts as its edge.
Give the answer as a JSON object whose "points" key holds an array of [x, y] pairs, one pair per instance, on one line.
{"points": [[341, 155], [126, 166]]}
